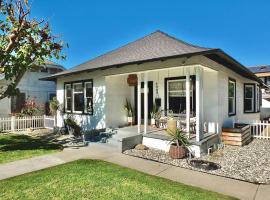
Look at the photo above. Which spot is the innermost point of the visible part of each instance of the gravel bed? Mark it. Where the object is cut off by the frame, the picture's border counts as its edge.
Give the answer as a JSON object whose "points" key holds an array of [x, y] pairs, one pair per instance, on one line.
{"points": [[248, 163]]}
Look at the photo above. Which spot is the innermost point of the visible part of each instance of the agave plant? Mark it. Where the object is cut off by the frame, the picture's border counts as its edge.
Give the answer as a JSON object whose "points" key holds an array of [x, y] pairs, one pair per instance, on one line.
{"points": [[179, 138]]}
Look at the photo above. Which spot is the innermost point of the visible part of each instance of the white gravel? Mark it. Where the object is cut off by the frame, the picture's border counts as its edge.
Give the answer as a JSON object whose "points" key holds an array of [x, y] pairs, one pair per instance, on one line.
{"points": [[248, 163]]}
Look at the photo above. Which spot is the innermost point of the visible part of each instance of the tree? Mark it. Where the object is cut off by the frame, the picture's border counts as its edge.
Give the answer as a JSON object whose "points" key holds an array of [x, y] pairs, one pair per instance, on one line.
{"points": [[24, 43]]}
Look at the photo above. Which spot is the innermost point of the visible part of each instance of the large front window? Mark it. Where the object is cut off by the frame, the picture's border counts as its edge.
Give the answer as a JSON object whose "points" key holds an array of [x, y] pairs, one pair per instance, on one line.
{"points": [[79, 97], [176, 96], [232, 97]]}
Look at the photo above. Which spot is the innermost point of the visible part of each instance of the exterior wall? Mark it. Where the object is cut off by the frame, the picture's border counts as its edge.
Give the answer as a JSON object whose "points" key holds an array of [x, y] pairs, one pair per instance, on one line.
{"points": [[117, 92], [111, 84]]}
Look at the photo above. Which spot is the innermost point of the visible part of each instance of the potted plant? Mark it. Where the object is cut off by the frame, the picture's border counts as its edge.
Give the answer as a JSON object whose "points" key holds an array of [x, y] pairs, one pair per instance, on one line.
{"points": [[179, 144], [155, 114], [171, 122], [129, 112], [72, 126]]}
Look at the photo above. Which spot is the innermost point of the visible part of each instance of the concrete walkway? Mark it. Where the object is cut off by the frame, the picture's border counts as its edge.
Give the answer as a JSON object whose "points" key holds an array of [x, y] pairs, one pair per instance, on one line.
{"points": [[218, 184]]}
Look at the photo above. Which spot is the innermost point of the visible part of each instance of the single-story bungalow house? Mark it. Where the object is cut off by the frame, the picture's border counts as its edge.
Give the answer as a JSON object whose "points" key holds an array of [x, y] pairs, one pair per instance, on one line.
{"points": [[188, 80]]}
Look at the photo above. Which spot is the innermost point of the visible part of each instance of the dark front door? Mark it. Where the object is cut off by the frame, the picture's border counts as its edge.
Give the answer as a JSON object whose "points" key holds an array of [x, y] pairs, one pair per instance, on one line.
{"points": [[150, 100]]}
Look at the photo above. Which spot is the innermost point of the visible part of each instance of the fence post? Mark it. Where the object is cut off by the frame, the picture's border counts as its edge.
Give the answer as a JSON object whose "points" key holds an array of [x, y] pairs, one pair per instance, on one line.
{"points": [[54, 121], [44, 118], [12, 123]]}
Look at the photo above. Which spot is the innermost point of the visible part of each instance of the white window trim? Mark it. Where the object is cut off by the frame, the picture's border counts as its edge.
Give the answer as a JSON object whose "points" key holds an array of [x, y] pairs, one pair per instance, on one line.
{"points": [[73, 94], [168, 91]]}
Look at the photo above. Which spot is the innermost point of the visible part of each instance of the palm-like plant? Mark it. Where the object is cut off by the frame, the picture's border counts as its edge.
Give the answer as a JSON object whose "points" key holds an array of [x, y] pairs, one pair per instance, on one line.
{"points": [[179, 138]]}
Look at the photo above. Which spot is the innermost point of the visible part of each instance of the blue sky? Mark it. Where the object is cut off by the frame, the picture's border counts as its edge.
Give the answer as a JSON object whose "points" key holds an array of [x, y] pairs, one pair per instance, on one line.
{"points": [[239, 27]]}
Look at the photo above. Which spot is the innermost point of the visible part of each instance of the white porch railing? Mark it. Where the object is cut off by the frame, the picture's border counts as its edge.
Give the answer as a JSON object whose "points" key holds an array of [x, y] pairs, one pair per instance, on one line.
{"points": [[8, 124]]}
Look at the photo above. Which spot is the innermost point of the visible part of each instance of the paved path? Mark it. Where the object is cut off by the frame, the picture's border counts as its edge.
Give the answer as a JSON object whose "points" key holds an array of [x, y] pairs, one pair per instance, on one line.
{"points": [[218, 184]]}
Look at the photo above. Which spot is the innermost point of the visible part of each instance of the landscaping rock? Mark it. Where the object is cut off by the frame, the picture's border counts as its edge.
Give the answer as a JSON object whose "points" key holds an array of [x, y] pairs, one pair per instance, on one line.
{"points": [[141, 147], [248, 163]]}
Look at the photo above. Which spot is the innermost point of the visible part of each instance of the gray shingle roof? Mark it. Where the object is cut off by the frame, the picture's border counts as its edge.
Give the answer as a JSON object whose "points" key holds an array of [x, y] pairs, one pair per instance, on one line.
{"points": [[153, 46], [260, 69]]}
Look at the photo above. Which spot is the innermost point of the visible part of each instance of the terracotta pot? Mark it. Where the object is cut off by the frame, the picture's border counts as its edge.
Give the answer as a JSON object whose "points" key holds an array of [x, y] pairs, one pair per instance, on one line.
{"points": [[171, 125], [177, 152]]}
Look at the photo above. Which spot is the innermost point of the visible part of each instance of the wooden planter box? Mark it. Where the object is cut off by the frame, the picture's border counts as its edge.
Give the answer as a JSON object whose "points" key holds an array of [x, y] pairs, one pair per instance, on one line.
{"points": [[238, 136]]}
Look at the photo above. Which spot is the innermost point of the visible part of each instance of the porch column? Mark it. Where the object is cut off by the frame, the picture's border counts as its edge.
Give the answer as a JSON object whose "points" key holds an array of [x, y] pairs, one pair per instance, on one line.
{"points": [[145, 102], [199, 92], [139, 91], [188, 102]]}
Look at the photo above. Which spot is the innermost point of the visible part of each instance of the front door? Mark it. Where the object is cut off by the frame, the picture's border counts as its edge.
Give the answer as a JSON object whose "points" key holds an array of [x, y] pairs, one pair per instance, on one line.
{"points": [[150, 100]]}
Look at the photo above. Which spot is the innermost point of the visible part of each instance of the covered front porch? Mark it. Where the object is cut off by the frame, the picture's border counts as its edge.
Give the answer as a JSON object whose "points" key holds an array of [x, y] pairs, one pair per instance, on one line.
{"points": [[189, 94]]}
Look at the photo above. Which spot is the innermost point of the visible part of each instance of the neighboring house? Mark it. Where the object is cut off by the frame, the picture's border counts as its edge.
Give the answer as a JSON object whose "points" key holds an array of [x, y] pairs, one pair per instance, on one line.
{"points": [[263, 72], [95, 91], [31, 87]]}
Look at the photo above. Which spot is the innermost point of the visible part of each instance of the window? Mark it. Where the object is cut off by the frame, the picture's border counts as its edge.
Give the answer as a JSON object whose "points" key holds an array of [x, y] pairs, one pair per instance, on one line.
{"points": [[176, 95], [68, 98], [267, 81], [88, 98], [17, 103], [232, 97], [249, 96], [78, 103], [257, 98], [79, 97]]}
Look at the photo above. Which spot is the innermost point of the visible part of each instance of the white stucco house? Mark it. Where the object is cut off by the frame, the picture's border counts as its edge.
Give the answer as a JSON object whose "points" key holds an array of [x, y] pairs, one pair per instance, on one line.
{"points": [[191, 81], [31, 87]]}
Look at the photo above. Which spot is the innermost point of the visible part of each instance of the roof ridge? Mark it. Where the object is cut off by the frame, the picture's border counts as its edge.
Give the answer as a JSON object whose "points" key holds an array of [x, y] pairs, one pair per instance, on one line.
{"points": [[182, 41]]}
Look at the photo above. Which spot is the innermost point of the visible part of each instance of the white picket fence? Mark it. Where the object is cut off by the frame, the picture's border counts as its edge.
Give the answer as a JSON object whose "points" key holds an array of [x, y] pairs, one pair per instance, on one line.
{"points": [[8, 124], [260, 129]]}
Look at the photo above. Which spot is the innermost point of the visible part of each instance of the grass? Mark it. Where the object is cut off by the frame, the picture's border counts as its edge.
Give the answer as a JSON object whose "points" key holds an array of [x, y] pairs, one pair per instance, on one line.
{"points": [[15, 147], [92, 179]]}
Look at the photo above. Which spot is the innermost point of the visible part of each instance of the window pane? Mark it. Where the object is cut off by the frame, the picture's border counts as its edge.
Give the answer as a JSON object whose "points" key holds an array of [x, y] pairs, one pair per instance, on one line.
{"points": [[231, 89], [78, 87], [231, 105], [68, 90], [89, 91], [248, 105], [267, 81], [78, 102], [249, 91], [68, 104]]}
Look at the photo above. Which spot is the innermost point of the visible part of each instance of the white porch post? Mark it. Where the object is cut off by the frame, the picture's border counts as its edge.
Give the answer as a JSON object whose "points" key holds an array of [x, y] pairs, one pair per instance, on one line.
{"points": [[145, 102], [139, 103], [188, 102], [199, 88]]}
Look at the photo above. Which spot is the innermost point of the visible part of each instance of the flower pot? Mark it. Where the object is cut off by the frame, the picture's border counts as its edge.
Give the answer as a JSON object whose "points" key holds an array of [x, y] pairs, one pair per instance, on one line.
{"points": [[171, 125], [176, 152]]}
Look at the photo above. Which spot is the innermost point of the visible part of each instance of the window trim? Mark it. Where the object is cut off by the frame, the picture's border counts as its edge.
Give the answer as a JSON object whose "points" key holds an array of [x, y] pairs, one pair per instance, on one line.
{"points": [[256, 108], [234, 81], [72, 96], [167, 79]]}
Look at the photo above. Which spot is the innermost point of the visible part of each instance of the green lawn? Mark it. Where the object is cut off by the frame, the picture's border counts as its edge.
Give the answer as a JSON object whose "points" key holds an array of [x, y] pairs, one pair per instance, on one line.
{"points": [[91, 179], [16, 147]]}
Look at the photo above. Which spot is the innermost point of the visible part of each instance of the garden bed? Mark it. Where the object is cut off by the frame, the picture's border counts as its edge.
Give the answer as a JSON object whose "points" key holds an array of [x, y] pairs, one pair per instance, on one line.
{"points": [[249, 163]]}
